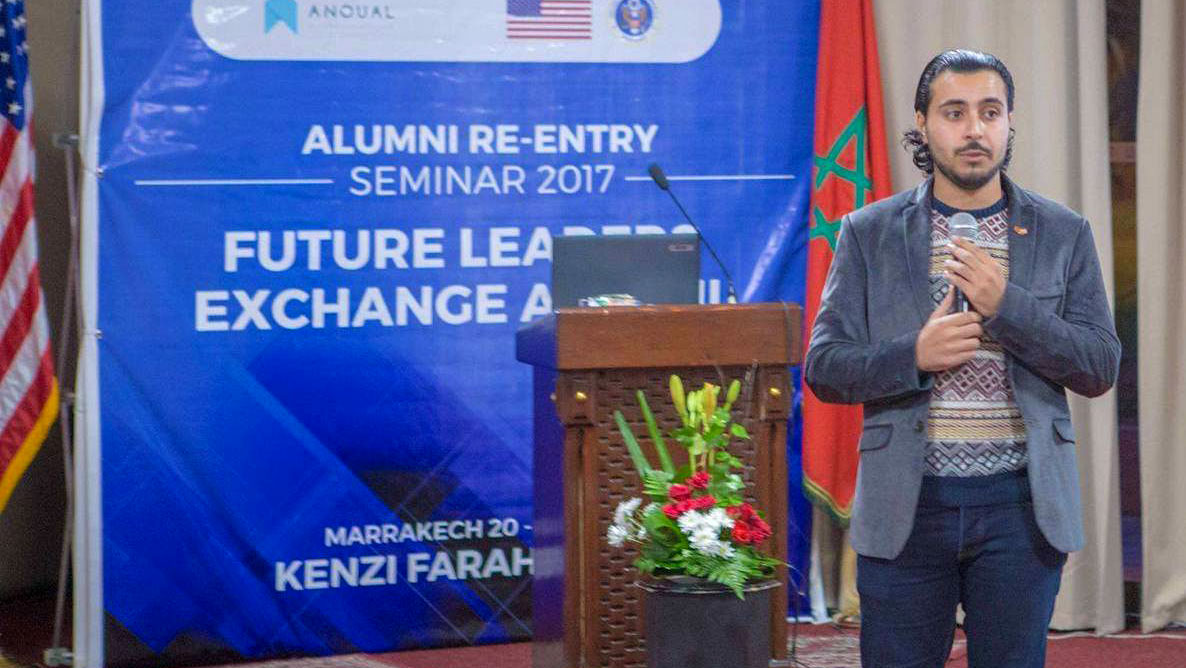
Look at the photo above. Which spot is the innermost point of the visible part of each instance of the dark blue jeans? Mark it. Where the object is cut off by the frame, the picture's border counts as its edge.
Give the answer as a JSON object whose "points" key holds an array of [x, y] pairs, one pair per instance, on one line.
{"points": [[975, 542]]}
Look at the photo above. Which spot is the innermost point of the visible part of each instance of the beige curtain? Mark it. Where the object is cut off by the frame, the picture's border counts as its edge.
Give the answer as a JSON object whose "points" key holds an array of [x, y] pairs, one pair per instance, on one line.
{"points": [[1161, 316], [833, 572], [1056, 51]]}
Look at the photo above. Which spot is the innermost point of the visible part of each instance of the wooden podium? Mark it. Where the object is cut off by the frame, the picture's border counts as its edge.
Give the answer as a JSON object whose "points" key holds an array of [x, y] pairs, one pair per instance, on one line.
{"points": [[589, 361]]}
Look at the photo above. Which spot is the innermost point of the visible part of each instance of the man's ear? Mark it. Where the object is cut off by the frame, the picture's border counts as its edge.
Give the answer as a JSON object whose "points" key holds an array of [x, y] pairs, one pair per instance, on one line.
{"points": [[920, 122]]}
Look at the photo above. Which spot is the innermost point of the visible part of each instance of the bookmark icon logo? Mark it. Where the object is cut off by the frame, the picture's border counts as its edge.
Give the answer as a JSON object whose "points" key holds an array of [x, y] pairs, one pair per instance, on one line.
{"points": [[280, 11]]}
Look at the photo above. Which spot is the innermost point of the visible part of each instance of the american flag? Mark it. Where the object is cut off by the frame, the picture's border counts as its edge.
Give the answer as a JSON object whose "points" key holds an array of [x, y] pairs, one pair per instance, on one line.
{"points": [[550, 19], [28, 388]]}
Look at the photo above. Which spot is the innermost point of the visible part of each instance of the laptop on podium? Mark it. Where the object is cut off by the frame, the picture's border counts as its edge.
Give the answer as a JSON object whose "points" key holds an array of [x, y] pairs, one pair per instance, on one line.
{"points": [[652, 268]]}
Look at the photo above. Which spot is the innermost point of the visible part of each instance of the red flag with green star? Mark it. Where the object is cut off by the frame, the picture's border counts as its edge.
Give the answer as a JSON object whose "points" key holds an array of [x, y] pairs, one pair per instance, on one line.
{"points": [[851, 170]]}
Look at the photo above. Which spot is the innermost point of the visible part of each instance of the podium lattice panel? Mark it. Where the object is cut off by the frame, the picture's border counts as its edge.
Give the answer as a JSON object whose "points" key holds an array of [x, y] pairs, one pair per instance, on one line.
{"points": [[618, 611]]}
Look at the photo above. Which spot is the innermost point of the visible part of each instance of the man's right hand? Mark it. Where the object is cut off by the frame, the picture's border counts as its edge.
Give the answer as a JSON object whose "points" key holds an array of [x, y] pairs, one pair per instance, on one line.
{"points": [[948, 339]]}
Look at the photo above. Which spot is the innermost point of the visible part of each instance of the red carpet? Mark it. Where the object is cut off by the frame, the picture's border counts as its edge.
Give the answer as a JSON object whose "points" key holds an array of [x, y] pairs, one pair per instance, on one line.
{"points": [[24, 632], [1074, 650], [517, 655], [826, 647]]}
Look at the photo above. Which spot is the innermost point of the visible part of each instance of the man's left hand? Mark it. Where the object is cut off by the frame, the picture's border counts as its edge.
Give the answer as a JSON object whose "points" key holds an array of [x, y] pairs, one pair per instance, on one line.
{"points": [[977, 275]]}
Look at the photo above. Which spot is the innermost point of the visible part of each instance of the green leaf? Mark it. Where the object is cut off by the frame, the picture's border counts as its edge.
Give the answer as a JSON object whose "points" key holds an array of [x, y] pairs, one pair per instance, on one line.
{"points": [[733, 573], [655, 484], [727, 458], [739, 431], [663, 542], [721, 488], [640, 460], [656, 435], [713, 433], [732, 394], [663, 530]]}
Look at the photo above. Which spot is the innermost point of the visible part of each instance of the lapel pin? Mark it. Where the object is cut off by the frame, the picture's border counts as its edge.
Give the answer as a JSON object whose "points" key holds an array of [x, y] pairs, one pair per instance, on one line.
{"points": [[1021, 230]]}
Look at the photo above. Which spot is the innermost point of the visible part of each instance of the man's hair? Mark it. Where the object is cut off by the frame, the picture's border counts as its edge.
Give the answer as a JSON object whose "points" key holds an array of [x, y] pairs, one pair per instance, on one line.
{"points": [[963, 61]]}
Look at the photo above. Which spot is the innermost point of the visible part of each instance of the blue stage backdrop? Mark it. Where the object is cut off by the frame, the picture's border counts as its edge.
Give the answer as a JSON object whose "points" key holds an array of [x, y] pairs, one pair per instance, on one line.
{"points": [[320, 224]]}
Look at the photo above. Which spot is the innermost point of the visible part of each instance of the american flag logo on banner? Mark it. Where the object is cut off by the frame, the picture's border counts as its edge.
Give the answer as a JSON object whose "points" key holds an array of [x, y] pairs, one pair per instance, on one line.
{"points": [[28, 388], [550, 19]]}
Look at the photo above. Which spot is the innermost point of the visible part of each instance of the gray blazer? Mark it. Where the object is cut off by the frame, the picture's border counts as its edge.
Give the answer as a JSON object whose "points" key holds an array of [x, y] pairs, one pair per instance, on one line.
{"points": [[1054, 323]]}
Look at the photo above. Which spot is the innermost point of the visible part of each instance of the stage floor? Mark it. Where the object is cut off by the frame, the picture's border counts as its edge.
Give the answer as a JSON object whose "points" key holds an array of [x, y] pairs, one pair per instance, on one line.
{"points": [[26, 629], [823, 646]]}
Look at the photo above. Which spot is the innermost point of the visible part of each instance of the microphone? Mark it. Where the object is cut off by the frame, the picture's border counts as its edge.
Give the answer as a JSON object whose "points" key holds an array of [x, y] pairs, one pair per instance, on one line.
{"points": [[962, 226], [660, 180]]}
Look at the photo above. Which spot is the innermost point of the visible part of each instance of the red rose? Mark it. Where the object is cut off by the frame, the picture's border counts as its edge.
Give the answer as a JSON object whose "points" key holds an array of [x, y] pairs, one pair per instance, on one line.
{"points": [[699, 481], [674, 510], [759, 530], [750, 531], [679, 492], [704, 502], [741, 533], [744, 512]]}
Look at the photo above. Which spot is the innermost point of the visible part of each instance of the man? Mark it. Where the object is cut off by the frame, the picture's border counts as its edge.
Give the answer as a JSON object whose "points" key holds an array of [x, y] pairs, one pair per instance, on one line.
{"points": [[968, 490]]}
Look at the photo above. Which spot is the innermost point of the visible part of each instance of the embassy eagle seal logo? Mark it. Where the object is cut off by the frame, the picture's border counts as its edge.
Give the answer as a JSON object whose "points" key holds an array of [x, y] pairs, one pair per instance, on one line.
{"points": [[634, 18]]}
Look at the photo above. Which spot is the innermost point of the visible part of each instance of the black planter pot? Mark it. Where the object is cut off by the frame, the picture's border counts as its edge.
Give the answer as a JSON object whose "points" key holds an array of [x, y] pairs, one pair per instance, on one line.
{"points": [[694, 623]]}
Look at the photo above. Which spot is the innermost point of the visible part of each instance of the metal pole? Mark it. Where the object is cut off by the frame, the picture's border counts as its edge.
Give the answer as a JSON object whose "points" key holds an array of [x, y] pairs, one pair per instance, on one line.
{"points": [[57, 654]]}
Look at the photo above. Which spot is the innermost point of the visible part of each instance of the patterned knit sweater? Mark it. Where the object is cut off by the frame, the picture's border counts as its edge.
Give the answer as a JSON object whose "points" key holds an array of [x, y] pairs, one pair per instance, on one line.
{"points": [[974, 427]]}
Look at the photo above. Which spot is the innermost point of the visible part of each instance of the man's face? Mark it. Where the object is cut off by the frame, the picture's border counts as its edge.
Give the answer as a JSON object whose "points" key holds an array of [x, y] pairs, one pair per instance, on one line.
{"points": [[967, 126]]}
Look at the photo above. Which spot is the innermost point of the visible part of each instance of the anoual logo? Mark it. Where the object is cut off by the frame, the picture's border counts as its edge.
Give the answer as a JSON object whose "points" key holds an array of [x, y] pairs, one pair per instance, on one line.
{"points": [[280, 11]]}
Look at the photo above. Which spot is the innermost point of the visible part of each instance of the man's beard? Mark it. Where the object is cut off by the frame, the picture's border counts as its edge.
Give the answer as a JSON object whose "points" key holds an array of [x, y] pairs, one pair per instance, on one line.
{"points": [[970, 182]]}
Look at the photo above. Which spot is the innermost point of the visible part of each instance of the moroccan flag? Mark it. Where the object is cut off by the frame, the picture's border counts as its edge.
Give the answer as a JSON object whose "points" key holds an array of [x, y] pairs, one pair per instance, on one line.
{"points": [[851, 170], [28, 388]]}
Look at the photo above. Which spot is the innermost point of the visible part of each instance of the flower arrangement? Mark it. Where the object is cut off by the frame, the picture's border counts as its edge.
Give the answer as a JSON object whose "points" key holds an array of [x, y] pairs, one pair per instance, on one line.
{"points": [[697, 522]]}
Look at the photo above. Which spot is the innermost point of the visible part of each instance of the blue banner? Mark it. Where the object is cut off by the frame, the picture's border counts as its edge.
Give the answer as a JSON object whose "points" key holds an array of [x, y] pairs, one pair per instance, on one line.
{"points": [[321, 223]]}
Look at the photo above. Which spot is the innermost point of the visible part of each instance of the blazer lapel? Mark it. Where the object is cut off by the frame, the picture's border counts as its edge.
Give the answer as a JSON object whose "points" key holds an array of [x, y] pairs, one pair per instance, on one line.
{"points": [[1023, 236], [916, 222]]}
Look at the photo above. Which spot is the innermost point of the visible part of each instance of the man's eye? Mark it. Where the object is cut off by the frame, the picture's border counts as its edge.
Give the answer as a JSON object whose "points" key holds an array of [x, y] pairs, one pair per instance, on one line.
{"points": [[953, 115], [992, 113]]}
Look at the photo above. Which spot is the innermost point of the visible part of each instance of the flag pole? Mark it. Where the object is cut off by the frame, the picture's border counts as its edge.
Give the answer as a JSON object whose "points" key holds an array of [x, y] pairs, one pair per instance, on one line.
{"points": [[57, 654]]}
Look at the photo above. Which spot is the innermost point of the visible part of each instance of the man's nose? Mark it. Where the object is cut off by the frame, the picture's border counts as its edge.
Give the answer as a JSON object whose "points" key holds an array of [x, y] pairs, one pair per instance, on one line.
{"points": [[974, 128]]}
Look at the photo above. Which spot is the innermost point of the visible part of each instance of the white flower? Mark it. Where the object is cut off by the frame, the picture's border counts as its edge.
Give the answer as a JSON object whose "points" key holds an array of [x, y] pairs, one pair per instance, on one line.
{"points": [[707, 540], [618, 535], [704, 531], [720, 518], [715, 520], [715, 548], [626, 526], [626, 509]]}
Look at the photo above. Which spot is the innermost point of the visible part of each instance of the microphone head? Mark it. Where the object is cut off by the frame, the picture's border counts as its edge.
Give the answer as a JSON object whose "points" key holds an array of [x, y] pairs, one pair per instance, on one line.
{"points": [[963, 226], [657, 175]]}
